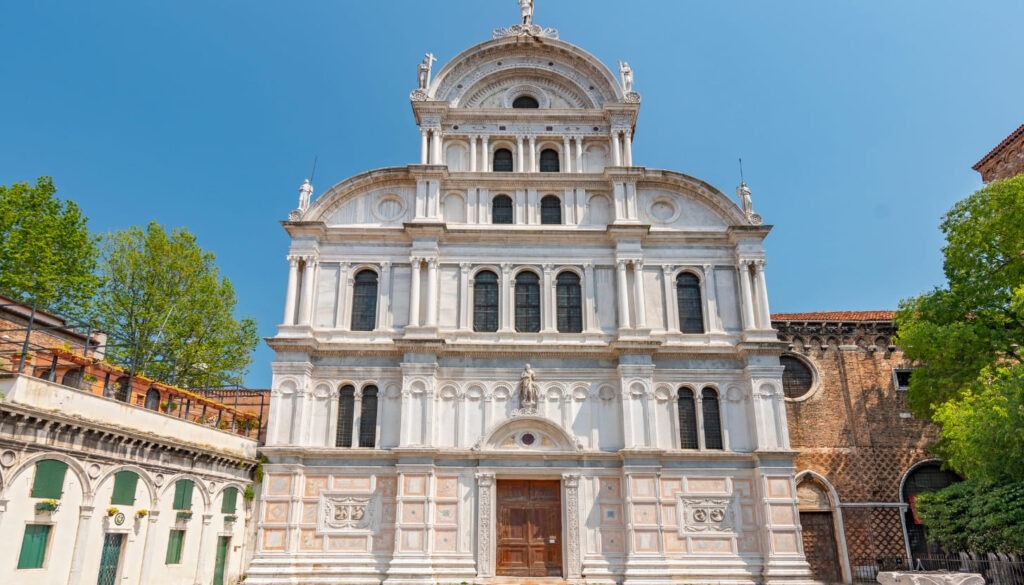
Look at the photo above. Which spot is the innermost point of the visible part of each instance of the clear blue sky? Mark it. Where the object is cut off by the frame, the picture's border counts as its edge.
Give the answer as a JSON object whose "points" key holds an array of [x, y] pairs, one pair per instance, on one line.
{"points": [[858, 122]]}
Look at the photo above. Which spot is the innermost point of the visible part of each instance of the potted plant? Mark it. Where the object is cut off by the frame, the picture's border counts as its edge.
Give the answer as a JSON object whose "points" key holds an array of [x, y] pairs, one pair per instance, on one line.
{"points": [[141, 513], [112, 510], [47, 506]]}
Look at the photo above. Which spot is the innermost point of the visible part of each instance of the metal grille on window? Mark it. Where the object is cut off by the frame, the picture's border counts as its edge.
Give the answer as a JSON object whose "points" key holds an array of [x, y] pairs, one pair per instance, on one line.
{"points": [[712, 419], [527, 302], [687, 420], [485, 301], [503, 160], [551, 210], [570, 310], [364, 301], [796, 377], [368, 418], [549, 161], [501, 209], [346, 409], [691, 309]]}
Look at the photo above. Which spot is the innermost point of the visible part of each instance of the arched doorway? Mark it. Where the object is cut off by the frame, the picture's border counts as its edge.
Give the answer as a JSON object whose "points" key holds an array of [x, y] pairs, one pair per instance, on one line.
{"points": [[153, 399], [821, 528], [924, 477]]}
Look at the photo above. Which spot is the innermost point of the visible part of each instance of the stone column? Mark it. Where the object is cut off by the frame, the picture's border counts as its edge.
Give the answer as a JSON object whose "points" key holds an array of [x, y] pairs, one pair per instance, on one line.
{"points": [[533, 155], [432, 292], [384, 304], [204, 547], [761, 291], [589, 303], [627, 142], [465, 300], [616, 149], [424, 146], [547, 306], [623, 291], [579, 154], [519, 155], [414, 292], [638, 291], [343, 316], [506, 298], [306, 305], [711, 290], [293, 284], [82, 541], [746, 298], [671, 302], [486, 153], [435, 147], [149, 547], [574, 560], [566, 155], [485, 525], [472, 153]]}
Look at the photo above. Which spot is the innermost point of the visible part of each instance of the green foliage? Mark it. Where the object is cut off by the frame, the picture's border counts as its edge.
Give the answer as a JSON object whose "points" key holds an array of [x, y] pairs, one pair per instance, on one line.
{"points": [[968, 336], [163, 297], [249, 494], [47, 255], [976, 516]]}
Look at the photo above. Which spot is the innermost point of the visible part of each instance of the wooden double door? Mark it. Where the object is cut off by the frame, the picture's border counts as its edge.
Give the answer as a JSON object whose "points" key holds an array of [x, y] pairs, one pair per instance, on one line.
{"points": [[529, 528]]}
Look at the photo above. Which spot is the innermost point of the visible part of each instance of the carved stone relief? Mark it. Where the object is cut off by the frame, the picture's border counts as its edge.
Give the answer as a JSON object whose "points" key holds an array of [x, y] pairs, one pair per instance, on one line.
{"points": [[349, 513], [705, 515]]}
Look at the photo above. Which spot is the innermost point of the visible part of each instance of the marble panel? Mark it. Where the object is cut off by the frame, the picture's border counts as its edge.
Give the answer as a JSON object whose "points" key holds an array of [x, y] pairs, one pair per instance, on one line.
{"points": [[645, 541], [326, 295], [352, 484], [446, 514], [703, 544], [414, 485], [412, 540], [613, 541], [279, 485], [274, 539], [645, 514], [785, 542], [445, 540], [276, 512], [447, 487], [314, 485], [706, 485], [310, 540], [414, 512], [782, 514], [347, 543], [779, 487]]}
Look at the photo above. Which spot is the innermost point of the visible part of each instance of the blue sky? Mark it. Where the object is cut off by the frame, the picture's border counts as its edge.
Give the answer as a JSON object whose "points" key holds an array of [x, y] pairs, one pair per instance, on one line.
{"points": [[858, 122]]}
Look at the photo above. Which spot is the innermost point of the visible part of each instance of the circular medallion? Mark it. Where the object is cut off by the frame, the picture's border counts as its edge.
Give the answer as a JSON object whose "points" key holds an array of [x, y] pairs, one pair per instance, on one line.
{"points": [[663, 210], [528, 439], [119, 518], [94, 471], [390, 208], [8, 458]]}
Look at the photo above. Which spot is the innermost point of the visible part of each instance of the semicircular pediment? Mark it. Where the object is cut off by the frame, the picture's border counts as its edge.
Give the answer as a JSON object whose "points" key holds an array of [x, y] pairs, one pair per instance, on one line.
{"points": [[528, 433], [380, 197], [500, 89], [672, 200]]}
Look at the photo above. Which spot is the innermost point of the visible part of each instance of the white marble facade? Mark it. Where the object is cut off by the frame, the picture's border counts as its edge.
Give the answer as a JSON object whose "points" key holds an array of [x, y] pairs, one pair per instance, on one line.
{"points": [[646, 498]]}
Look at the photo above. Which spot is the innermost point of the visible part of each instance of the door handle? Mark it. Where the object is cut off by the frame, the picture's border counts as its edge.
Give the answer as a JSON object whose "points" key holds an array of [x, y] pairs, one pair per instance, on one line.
{"points": [[552, 540]]}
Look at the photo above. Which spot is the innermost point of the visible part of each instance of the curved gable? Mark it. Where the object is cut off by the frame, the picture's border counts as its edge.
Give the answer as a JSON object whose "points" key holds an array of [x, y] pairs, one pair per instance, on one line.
{"points": [[380, 197], [673, 200]]}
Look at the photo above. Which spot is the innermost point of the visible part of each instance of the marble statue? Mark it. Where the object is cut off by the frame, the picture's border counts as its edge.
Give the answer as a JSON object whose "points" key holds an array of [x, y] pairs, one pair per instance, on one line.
{"points": [[526, 9], [627, 76], [747, 203], [528, 388], [305, 192], [424, 70]]}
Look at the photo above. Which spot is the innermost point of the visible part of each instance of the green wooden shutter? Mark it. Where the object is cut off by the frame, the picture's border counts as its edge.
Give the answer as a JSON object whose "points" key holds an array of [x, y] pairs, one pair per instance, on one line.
{"points": [[33, 547], [49, 481], [230, 502], [175, 542], [183, 494], [124, 488]]}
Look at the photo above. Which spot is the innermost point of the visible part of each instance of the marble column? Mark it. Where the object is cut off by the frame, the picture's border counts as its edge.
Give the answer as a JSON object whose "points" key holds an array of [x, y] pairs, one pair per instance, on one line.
{"points": [[579, 154], [627, 142], [486, 153], [432, 292], [519, 155], [761, 291], [472, 153], [424, 146], [590, 300], [465, 298], [623, 293], [639, 302], [746, 298], [506, 298], [671, 300], [711, 292], [414, 292], [485, 525], [547, 303], [149, 549], [82, 541], [343, 316], [204, 547], [435, 155], [533, 155], [566, 155], [573, 546], [616, 149], [293, 284], [384, 298], [306, 304]]}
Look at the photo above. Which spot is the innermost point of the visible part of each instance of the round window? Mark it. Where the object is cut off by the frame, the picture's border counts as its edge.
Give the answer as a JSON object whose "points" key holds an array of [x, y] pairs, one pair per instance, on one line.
{"points": [[797, 378], [528, 439]]}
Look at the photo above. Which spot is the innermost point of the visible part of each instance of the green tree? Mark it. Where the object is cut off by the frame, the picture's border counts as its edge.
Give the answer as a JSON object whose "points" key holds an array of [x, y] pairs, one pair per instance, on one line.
{"points": [[162, 297], [47, 255], [968, 336]]}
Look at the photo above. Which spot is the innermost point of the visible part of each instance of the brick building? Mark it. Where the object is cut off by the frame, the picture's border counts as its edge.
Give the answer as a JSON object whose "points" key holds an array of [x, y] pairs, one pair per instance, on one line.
{"points": [[862, 456], [1005, 160]]}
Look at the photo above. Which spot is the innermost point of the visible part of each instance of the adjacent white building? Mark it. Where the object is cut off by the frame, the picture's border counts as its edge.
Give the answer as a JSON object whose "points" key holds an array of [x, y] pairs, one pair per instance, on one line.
{"points": [[527, 355]]}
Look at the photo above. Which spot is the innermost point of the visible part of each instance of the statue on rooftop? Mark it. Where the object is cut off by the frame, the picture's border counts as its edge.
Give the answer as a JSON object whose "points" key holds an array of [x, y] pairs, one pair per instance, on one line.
{"points": [[305, 193], [626, 72], [526, 9], [424, 70]]}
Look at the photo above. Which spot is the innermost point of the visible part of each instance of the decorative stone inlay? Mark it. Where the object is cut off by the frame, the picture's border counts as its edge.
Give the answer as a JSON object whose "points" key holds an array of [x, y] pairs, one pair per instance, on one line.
{"points": [[698, 514], [574, 567], [485, 527], [349, 513]]}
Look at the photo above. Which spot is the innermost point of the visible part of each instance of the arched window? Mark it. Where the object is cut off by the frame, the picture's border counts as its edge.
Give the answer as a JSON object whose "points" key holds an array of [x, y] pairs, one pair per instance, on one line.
{"points": [[125, 483], [364, 301], [525, 102], [72, 378], [502, 160], [368, 418], [527, 302], [485, 301], [549, 161], [570, 309], [501, 209], [153, 399], [797, 378], [712, 419], [346, 409], [691, 309], [927, 477], [551, 210], [687, 420], [122, 391]]}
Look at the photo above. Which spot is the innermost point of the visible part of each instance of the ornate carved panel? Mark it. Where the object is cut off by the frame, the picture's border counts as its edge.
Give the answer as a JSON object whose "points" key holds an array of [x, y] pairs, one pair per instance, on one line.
{"points": [[349, 513], [702, 515]]}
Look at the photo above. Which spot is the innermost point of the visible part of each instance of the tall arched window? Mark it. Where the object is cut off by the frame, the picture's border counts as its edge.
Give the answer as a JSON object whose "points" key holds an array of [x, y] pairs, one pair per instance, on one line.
{"points": [[527, 302], [364, 301], [368, 418], [712, 419], [687, 420], [502, 160], [485, 301], [570, 304], [153, 399], [501, 209], [551, 210], [525, 102], [691, 309], [346, 409], [549, 161]]}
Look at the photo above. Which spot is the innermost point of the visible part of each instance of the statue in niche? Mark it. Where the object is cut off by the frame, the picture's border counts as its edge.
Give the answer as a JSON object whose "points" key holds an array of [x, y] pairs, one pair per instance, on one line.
{"points": [[424, 70], [526, 9], [528, 388], [626, 72]]}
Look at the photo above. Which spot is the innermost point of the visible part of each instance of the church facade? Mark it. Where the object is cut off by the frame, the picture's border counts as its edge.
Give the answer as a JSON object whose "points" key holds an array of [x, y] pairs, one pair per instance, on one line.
{"points": [[527, 356]]}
